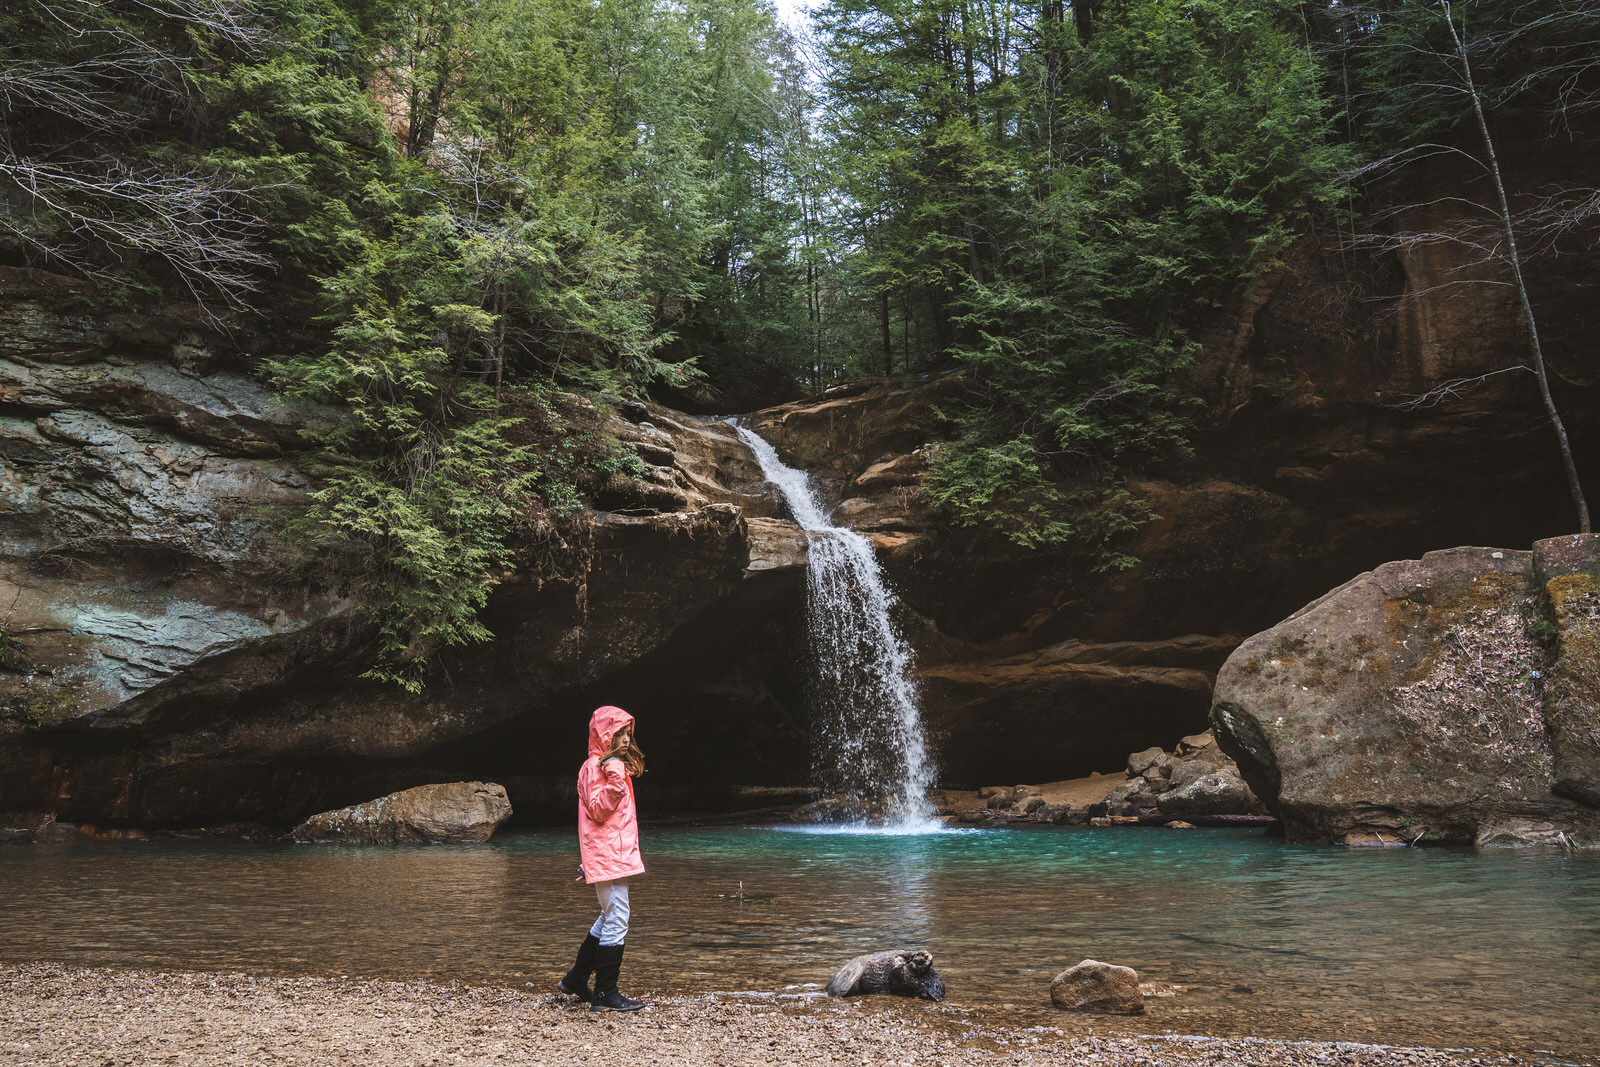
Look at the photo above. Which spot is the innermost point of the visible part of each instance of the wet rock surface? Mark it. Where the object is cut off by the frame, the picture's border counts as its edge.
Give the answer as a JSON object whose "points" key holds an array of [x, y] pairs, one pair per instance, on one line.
{"points": [[452, 813], [1421, 701], [1098, 987], [899, 973]]}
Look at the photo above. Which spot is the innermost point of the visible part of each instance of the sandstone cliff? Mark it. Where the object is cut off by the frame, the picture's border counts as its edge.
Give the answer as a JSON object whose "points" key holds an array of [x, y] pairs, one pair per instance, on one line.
{"points": [[1314, 463], [168, 658]]}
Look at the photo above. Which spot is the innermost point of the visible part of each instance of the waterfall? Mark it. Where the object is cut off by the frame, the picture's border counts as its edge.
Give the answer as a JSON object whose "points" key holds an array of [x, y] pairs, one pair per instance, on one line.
{"points": [[869, 726]]}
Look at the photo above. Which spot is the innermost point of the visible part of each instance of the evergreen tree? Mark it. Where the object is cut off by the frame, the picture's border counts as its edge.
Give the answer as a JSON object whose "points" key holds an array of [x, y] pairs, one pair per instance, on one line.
{"points": [[1052, 198]]}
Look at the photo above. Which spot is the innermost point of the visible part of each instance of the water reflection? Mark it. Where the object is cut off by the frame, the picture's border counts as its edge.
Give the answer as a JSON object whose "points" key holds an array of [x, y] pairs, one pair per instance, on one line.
{"points": [[1440, 947]]}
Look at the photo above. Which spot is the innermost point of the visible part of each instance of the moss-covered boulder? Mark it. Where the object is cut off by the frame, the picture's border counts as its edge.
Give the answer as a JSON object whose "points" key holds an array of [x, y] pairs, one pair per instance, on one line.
{"points": [[1438, 699]]}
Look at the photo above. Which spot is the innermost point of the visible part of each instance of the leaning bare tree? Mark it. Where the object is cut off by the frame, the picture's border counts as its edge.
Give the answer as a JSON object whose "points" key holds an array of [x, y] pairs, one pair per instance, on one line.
{"points": [[1426, 72], [88, 87]]}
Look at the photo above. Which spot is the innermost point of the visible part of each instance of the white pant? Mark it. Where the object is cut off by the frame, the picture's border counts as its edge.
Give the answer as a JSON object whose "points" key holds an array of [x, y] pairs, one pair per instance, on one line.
{"points": [[612, 926]]}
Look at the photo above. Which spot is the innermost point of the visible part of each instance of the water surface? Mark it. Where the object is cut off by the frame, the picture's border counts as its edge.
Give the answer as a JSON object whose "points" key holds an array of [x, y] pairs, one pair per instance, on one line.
{"points": [[1245, 935]]}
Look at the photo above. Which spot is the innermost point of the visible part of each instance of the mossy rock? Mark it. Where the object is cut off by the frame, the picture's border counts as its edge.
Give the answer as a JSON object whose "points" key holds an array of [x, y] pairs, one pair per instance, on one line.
{"points": [[1412, 700], [1568, 569]]}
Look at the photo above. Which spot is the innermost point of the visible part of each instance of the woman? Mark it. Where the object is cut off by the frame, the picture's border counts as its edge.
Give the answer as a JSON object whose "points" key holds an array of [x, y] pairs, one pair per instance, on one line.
{"points": [[608, 843]]}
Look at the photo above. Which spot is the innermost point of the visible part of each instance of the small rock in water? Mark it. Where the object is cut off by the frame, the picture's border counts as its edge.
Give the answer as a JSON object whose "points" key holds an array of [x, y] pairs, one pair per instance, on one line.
{"points": [[900, 973], [1098, 987], [1059, 814]]}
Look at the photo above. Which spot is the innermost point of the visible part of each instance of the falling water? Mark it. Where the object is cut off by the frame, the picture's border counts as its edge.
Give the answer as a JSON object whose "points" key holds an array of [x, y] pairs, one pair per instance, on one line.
{"points": [[869, 726]]}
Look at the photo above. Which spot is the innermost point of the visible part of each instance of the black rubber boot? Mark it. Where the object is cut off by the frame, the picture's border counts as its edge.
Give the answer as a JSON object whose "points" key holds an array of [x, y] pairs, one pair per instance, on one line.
{"points": [[576, 981], [607, 965]]}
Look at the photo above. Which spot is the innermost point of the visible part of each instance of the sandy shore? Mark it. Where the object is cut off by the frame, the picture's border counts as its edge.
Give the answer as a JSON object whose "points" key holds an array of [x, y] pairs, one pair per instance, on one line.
{"points": [[92, 1017]]}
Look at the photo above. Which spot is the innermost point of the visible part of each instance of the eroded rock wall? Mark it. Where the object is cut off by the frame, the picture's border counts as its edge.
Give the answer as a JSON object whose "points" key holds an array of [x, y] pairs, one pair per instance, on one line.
{"points": [[1314, 462], [169, 657]]}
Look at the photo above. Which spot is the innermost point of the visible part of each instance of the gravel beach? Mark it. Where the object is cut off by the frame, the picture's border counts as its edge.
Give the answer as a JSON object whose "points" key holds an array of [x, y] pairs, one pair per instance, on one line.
{"points": [[95, 1017]]}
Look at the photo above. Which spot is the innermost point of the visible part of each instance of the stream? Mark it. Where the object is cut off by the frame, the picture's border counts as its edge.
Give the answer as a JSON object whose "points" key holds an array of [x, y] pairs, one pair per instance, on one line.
{"points": [[1234, 933]]}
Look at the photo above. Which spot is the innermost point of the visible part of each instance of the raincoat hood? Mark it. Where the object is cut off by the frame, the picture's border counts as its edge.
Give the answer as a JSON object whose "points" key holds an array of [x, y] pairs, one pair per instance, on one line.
{"points": [[604, 724]]}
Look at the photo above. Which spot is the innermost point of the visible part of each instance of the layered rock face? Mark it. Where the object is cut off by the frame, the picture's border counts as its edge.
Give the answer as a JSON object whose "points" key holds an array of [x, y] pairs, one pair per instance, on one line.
{"points": [[133, 514], [1313, 464], [168, 658], [1019, 677], [1034, 666], [1450, 698]]}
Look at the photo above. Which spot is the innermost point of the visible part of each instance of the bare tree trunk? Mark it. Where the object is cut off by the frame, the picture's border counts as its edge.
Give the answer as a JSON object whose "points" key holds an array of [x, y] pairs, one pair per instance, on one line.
{"points": [[1509, 233]]}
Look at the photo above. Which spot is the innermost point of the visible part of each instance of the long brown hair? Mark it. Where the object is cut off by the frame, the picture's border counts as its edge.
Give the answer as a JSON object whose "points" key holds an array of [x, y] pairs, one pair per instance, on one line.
{"points": [[633, 759]]}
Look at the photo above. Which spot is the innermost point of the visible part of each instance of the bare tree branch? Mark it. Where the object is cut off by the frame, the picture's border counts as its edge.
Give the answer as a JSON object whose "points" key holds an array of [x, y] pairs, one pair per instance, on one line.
{"points": [[237, 22], [194, 222], [1450, 390], [87, 72], [1514, 261]]}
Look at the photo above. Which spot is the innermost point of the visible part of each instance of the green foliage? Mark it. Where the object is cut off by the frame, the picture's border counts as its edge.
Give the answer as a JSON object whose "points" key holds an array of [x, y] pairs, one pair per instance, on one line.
{"points": [[1055, 209], [438, 526], [1403, 81], [539, 220], [461, 208]]}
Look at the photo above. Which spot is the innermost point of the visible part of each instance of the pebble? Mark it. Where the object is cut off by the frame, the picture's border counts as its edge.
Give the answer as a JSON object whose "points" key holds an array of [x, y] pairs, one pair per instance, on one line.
{"points": [[98, 1015]]}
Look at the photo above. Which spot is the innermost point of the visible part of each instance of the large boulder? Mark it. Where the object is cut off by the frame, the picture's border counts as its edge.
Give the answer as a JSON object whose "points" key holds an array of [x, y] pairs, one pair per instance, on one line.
{"points": [[1422, 700], [457, 812], [1567, 574]]}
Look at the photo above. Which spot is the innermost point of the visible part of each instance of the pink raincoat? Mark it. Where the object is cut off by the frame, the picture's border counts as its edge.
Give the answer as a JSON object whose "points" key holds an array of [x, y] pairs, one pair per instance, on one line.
{"points": [[608, 823]]}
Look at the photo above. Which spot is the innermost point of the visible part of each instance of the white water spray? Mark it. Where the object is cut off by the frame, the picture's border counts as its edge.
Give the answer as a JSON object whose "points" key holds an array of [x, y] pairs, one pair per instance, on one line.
{"points": [[870, 727]]}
